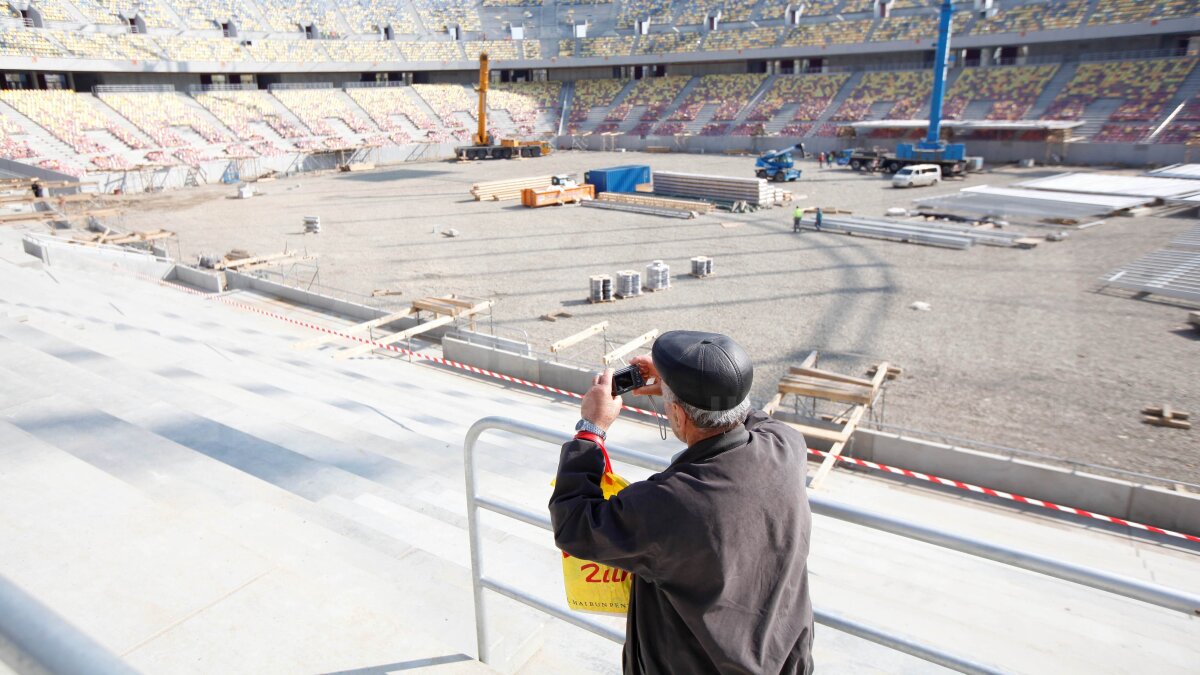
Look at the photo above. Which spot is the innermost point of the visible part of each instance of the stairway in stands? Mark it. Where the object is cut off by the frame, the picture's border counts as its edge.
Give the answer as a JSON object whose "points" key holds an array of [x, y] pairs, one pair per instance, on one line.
{"points": [[1061, 77], [198, 496]]}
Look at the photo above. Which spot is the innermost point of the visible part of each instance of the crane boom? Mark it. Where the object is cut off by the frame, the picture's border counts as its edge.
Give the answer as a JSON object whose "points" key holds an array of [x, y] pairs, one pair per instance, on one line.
{"points": [[481, 137], [941, 56]]}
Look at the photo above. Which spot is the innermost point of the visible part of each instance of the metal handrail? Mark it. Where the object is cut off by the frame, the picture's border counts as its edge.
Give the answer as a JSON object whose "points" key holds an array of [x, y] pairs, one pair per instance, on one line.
{"points": [[35, 639], [480, 582], [1093, 578]]}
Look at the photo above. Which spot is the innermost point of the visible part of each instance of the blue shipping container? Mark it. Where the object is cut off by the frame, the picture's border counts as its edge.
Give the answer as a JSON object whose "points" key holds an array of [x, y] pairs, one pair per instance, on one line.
{"points": [[618, 178]]}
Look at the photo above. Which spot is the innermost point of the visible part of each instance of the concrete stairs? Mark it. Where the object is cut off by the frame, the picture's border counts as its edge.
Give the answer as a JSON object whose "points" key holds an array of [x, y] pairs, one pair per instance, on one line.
{"points": [[40, 140], [1096, 116], [214, 478], [1187, 91], [119, 120], [1061, 77]]}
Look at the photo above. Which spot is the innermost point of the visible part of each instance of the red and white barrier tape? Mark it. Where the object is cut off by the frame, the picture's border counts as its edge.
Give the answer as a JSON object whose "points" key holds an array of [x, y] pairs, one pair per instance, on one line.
{"points": [[1007, 495], [393, 348], [852, 460]]}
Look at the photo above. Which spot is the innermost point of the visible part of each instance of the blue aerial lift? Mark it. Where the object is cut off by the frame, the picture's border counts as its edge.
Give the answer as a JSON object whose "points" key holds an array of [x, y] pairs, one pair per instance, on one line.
{"points": [[951, 157], [777, 165]]}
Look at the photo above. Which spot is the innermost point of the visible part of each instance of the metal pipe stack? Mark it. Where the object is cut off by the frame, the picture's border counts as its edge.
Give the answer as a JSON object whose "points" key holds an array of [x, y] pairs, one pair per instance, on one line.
{"points": [[658, 276], [753, 191], [601, 289], [629, 283]]}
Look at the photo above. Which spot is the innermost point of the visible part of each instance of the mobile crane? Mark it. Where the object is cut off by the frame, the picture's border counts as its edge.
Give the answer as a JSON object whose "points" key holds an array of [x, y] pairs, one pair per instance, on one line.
{"points": [[777, 165], [483, 146]]}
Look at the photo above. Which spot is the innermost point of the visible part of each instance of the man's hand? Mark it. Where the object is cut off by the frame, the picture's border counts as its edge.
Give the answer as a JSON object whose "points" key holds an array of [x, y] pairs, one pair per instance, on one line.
{"points": [[649, 374], [600, 407]]}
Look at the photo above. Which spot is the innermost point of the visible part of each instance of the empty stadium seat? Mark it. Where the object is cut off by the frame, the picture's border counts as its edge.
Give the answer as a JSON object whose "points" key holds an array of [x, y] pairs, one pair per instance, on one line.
{"points": [[372, 16], [239, 109], [385, 103], [655, 93], [812, 93], [1144, 86], [909, 89], [591, 94], [315, 106], [828, 33], [65, 114], [1012, 90], [750, 38], [156, 113], [730, 93]]}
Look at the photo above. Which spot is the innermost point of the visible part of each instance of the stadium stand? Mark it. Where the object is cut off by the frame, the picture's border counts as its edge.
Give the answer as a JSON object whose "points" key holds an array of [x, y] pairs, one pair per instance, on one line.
{"points": [[523, 101], [152, 12], [750, 38], [532, 49], [915, 26], [668, 43], [1134, 11], [21, 42], [66, 115], [439, 15], [293, 15], [52, 10], [114, 46], [729, 93], [496, 49], [431, 51], [632, 11], [208, 14], [202, 49], [383, 104], [288, 51], [1012, 90], [13, 148], [373, 16], [373, 51], [1144, 87], [1025, 18], [909, 89], [155, 113], [238, 110], [812, 94], [817, 34], [598, 46], [315, 106], [590, 94], [655, 93], [447, 100]]}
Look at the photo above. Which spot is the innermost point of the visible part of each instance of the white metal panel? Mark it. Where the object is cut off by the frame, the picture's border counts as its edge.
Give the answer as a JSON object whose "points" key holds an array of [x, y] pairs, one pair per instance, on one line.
{"points": [[1186, 171], [1110, 184], [1114, 202]]}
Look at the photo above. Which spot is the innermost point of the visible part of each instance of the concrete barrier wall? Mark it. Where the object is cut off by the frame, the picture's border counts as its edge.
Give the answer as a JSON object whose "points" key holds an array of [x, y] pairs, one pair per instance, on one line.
{"points": [[1112, 497], [557, 375], [209, 282], [76, 256], [237, 280]]}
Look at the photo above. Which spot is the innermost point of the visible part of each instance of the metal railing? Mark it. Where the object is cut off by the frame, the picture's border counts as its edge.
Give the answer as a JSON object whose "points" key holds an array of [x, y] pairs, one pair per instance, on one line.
{"points": [[1093, 578], [33, 639]]}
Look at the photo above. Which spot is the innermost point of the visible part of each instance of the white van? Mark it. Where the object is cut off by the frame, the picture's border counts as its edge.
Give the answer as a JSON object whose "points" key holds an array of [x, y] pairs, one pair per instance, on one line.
{"points": [[917, 175]]}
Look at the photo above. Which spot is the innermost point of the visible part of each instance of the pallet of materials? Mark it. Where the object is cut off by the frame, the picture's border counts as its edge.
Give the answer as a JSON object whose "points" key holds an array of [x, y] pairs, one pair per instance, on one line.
{"points": [[500, 190], [649, 205], [556, 195], [726, 189]]}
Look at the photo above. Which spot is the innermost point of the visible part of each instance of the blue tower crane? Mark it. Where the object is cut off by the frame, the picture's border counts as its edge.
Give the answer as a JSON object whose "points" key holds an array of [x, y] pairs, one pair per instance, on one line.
{"points": [[933, 149]]}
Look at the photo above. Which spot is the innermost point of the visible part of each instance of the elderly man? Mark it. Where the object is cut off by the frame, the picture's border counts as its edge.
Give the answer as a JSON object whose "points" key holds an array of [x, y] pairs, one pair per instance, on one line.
{"points": [[718, 542]]}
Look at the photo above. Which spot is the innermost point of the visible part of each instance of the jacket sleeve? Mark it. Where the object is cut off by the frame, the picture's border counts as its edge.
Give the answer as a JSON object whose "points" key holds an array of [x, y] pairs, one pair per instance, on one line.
{"points": [[624, 531]]}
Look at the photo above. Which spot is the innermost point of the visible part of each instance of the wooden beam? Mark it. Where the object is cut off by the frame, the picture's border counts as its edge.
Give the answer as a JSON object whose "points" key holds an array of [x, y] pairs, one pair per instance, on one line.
{"points": [[351, 330], [255, 260], [407, 333], [826, 466], [579, 337], [629, 346], [829, 375], [825, 389], [809, 361], [356, 350]]}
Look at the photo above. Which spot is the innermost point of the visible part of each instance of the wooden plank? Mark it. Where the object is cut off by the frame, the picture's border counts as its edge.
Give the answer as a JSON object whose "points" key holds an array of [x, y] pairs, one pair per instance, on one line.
{"points": [[579, 337], [405, 334], [825, 389], [27, 215], [826, 466], [243, 262], [437, 307], [829, 375], [393, 338], [629, 346], [351, 330], [809, 361]]}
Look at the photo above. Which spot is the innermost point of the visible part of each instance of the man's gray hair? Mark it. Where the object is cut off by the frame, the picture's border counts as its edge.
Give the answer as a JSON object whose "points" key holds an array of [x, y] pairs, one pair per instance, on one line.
{"points": [[709, 419]]}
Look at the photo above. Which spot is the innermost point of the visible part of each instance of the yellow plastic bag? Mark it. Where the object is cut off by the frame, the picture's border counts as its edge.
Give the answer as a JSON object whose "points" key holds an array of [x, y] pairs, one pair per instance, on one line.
{"points": [[592, 587]]}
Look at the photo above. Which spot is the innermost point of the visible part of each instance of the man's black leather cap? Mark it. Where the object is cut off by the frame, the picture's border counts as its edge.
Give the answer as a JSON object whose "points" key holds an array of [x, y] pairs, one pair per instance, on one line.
{"points": [[707, 370]]}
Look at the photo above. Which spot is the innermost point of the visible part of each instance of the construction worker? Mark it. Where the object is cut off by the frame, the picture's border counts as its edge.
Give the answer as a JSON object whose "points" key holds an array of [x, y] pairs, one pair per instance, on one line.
{"points": [[819, 219], [797, 214], [821, 160]]}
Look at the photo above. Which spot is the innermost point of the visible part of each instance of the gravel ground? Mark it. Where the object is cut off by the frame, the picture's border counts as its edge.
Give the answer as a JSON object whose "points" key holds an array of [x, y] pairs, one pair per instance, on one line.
{"points": [[1018, 349]]}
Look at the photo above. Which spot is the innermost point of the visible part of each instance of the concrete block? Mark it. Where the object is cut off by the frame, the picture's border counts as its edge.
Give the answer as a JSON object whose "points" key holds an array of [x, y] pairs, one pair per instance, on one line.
{"points": [[209, 282]]}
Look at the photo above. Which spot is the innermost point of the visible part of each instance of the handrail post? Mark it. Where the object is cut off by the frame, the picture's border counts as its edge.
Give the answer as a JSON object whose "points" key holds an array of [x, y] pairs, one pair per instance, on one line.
{"points": [[481, 644]]}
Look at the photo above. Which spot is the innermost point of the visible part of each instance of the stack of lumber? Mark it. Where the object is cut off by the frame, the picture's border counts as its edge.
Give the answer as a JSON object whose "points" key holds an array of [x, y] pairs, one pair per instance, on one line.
{"points": [[752, 191], [816, 383], [499, 190], [656, 202], [649, 205]]}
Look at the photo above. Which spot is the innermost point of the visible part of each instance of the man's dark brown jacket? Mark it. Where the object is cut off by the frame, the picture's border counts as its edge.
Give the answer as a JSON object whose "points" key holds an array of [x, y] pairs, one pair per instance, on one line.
{"points": [[718, 545]]}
